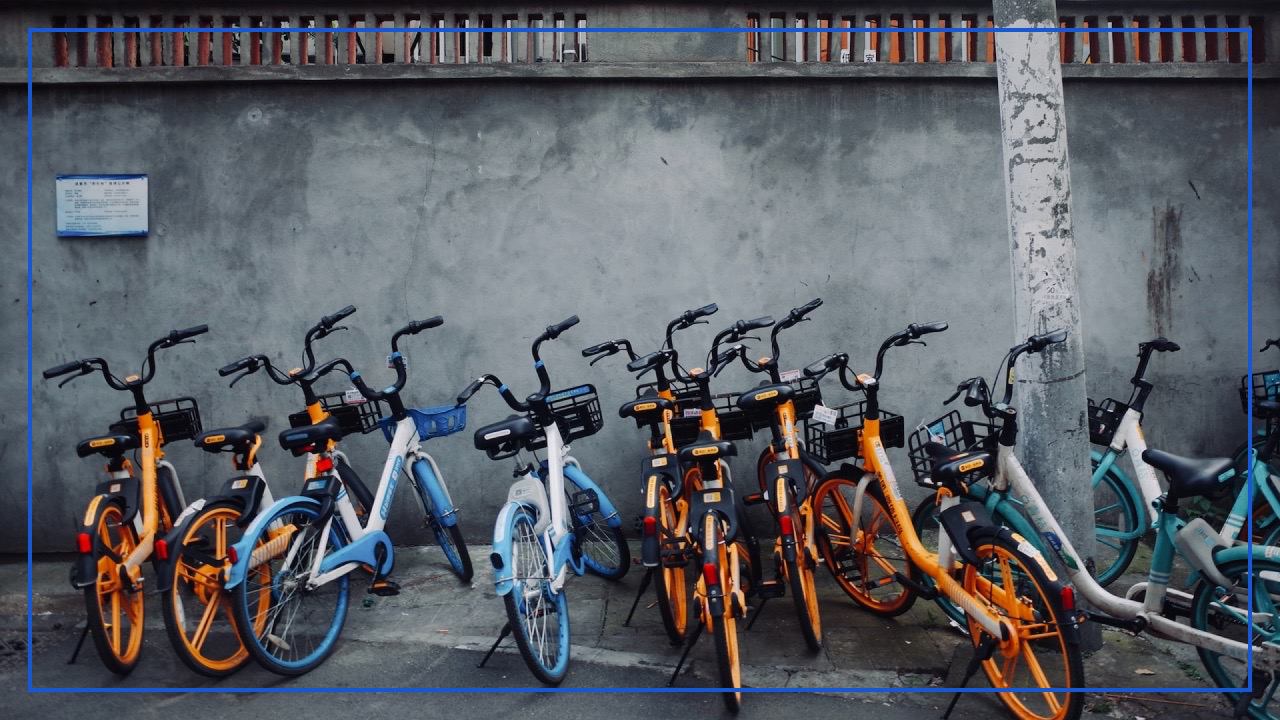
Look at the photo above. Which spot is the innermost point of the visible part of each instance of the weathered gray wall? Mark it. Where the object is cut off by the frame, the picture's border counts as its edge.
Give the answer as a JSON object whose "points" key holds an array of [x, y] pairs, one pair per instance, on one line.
{"points": [[506, 206]]}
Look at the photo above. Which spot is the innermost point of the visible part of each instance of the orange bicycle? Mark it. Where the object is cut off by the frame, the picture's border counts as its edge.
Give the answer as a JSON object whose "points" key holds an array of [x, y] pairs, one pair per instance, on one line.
{"points": [[125, 516]]}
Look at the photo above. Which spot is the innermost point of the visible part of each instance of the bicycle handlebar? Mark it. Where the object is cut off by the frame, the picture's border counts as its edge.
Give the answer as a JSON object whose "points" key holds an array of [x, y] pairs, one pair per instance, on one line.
{"points": [[503, 390], [63, 369], [328, 321], [1270, 343], [611, 347], [86, 366]]}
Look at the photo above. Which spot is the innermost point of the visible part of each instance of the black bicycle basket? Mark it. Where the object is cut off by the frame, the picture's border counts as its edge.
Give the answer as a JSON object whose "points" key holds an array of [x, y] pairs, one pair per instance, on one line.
{"points": [[1104, 420], [179, 419], [352, 417], [954, 432], [1261, 385], [829, 444], [577, 414]]}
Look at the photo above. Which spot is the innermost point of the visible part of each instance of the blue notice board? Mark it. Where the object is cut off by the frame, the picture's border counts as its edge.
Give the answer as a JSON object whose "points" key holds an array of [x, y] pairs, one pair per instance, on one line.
{"points": [[102, 205]]}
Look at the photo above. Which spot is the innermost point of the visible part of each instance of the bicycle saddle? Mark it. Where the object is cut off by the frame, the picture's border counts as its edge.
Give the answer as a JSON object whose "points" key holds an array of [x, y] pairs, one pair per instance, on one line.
{"points": [[299, 439], [236, 439], [706, 449], [113, 445], [1266, 409], [765, 397], [952, 467], [645, 409], [1190, 477], [505, 434]]}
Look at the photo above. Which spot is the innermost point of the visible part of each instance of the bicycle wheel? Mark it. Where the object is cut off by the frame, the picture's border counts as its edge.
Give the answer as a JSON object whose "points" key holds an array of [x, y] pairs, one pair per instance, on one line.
{"points": [[1016, 587], [197, 610], [862, 554], [1114, 514], [799, 573], [291, 628], [724, 626], [539, 618], [114, 612], [1224, 612], [926, 524], [671, 583], [449, 538], [604, 549]]}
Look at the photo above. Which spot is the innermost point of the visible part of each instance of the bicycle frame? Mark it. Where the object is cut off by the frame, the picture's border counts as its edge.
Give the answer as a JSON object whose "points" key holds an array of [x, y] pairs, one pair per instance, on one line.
{"points": [[1011, 475]]}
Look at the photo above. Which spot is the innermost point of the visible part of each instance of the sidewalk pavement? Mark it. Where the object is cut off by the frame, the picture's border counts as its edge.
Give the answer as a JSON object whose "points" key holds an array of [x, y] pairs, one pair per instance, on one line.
{"points": [[917, 649]]}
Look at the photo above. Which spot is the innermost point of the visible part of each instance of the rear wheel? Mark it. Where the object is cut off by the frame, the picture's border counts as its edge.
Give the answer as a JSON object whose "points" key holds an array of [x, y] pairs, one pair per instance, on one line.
{"points": [[1015, 587], [197, 610], [862, 553], [455, 551], [115, 612], [804, 591], [671, 583], [538, 616], [604, 549], [1224, 612], [723, 626], [1117, 527]]}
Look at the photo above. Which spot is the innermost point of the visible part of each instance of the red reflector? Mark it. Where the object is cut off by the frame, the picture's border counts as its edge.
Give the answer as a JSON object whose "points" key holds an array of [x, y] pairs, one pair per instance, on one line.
{"points": [[1068, 598], [650, 526], [785, 523], [324, 464], [710, 574], [231, 553], [84, 543], [162, 550]]}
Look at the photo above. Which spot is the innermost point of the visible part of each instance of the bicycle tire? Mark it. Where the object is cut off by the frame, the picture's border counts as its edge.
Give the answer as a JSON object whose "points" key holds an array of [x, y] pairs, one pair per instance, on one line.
{"points": [[604, 548], [927, 529], [529, 582], [804, 591], [119, 653], [724, 629], [1045, 648], [1127, 521], [196, 582], [837, 541], [1211, 612], [671, 583], [286, 586], [455, 551]]}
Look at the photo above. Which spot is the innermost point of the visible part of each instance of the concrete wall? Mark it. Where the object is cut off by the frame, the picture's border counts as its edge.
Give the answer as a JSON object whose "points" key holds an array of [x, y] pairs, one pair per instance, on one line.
{"points": [[506, 206]]}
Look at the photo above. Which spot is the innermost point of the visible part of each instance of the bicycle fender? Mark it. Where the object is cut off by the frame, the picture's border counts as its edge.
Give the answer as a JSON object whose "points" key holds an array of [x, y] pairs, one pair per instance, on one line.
{"points": [[128, 490], [183, 522], [364, 550], [1241, 552], [500, 558], [964, 523], [424, 473], [244, 549], [575, 475], [84, 569], [650, 547], [781, 476]]}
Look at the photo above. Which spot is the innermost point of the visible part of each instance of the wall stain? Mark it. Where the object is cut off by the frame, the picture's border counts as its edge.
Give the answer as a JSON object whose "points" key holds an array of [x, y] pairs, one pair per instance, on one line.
{"points": [[1166, 243]]}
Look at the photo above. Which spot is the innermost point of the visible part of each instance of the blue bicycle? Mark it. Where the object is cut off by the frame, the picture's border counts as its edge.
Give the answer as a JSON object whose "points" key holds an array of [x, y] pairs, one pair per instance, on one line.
{"points": [[556, 518]]}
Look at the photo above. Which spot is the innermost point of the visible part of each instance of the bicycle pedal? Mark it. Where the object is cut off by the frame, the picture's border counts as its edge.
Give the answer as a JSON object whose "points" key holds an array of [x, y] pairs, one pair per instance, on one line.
{"points": [[384, 588], [771, 589]]}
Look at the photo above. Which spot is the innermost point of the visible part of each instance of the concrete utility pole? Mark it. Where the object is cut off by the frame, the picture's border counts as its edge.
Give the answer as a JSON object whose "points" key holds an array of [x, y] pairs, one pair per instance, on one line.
{"points": [[1051, 387]]}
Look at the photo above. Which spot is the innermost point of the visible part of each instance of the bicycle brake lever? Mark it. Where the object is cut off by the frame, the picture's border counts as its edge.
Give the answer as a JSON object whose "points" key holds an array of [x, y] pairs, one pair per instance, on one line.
{"points": [[593, 362], [82, 373], [240, 377]]}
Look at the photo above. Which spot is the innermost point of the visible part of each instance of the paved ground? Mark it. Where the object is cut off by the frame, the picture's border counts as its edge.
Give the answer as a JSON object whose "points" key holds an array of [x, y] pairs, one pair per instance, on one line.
{"points": [[443, 629]]}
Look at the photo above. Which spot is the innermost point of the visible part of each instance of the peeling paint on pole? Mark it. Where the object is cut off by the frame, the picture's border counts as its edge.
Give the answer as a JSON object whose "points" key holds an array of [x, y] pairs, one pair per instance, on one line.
{"points": [[1054, 440]]}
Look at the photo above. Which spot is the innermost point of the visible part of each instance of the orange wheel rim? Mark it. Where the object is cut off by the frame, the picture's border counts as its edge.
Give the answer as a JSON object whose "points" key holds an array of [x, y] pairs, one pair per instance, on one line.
{"points": [[806, 572], [117, 606], [674, 577], [1036, 655], [730, 623], [875, 568]]}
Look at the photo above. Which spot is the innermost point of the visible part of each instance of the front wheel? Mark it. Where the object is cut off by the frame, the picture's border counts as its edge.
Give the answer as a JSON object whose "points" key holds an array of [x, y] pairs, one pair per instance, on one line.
{"points": [[114, 611], [604, 549], [799, 571], [863, 553], [1043, 651], [287, 625], [1117, 526], [671, 581], [723, 624], [925, 521], [1224, 612], [455, 550], [539, 616]]}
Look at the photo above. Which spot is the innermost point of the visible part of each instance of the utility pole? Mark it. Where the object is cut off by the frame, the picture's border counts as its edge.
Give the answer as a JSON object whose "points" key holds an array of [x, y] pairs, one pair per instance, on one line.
{"points": [[1051, 396]]}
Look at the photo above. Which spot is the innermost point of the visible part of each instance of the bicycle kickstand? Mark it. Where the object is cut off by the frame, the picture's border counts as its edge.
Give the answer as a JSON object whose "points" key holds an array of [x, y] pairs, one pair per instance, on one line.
{"points": [[644, 585], [980, 654], [79, 644], [506, 630], [697, 633], [756, 615]]}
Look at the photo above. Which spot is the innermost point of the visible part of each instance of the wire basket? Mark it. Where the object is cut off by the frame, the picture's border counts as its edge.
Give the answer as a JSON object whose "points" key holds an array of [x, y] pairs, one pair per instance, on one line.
{"points": [[179, 419], [1262, 385], [432, 422], [684, 392], [735, 424], [806, 396], [358, 417], [954, 432], [577, 414], [1104, 420], [829, 444]]}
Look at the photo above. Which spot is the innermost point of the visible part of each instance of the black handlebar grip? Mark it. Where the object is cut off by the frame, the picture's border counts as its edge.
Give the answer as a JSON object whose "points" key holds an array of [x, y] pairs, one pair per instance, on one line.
{"points": [[63, 369], [821, 366], [807, 308], [1053, 337], [180, 335], [418, 326], [553, 331], [470, 390], [930, 327], [705, 310], [328, 321], [238, 365], [760, 322], [609, 346], [643, 362]]}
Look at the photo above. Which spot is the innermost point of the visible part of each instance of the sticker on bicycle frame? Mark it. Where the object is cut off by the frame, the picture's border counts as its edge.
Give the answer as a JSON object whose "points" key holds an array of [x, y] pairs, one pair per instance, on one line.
{"points": [[787, 376], [971, 465], [652, 492], [1026, 548], [706, 451], [692, 413], [115, 487], [240, 484], [352, 397], [782, 494], [659, 462], [497, 434], [824, 414], [967, 516], [711, 497], [214, 439]]}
